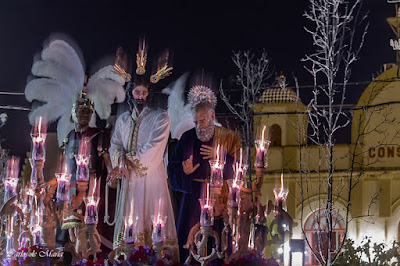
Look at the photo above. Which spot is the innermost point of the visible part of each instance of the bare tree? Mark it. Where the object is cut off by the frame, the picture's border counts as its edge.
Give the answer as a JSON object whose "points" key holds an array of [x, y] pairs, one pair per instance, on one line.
{"points": [[252, 78], [336, 36]]}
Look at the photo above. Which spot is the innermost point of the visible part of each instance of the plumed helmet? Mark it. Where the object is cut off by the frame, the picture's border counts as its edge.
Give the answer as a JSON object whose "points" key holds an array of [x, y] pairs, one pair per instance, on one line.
{"points": [[82, 101]]}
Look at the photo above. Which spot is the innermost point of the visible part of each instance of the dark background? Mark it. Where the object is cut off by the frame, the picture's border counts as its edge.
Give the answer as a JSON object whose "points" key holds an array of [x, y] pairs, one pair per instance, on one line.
{"points": [[201, 34]]}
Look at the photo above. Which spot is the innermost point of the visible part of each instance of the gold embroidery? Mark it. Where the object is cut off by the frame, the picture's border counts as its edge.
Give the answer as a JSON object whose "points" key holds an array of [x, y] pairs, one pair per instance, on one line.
{"points": [[139, 168], [132, 143], [136, 125]]}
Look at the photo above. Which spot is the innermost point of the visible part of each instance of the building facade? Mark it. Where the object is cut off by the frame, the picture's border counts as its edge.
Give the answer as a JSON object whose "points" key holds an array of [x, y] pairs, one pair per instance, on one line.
{"points": [[369, 164]]}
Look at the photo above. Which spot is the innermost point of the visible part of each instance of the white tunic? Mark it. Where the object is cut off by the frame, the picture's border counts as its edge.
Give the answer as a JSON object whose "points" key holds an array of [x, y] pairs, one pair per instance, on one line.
{"points": [[144, 147]]}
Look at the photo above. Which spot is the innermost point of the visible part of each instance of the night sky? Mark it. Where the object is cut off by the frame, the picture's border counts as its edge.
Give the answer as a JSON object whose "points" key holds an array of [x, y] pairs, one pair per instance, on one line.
{"points": [[201, 34]]}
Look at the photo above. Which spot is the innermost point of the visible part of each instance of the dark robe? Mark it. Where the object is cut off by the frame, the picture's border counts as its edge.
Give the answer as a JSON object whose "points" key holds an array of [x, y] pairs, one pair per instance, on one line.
{"points": [[99, 143], [192, 185]]}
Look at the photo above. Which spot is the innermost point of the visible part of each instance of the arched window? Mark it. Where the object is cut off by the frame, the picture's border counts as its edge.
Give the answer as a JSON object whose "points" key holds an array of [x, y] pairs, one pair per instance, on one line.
{"points": [[276, 135], [317, 235]]}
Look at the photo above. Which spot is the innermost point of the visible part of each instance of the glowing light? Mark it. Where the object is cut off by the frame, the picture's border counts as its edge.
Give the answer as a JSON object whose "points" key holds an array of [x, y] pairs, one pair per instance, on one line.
{"points": [[208, 195], [262, 147]]}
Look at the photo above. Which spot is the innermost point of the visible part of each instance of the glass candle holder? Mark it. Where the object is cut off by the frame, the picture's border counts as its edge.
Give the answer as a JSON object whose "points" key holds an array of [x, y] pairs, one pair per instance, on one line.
{"points": [[239, 171], [261, 152], [12, 167], [91, 214], [206, 215], [10, 186], [82, 167], [10, 250], [217, 175], [280, 197], [158, 235], [37, 235], [62, 186], [234, 192], [131, 230], [34, 173], [38, 148], [28, 199]]}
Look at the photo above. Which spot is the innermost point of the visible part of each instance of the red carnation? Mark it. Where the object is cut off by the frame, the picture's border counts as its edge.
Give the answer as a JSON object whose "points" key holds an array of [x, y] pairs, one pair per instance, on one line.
{"points": [[160, 263]]}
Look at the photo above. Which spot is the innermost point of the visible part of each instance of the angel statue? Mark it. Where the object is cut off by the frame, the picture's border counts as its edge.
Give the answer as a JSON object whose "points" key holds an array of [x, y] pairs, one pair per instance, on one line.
{"points": [[72, 100]]}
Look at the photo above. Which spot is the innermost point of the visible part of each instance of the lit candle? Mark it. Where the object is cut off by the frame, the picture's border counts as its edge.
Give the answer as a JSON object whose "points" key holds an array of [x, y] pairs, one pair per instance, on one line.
{"points": [[130, 234], [82, 167], [28, 197], [91, 214], [234, 197], [130, 230], [11, 180], [38, 139], [62, 186], [206, 215], [260, 147], [235, 192], [217, 167], [281, 195], [11, 188], [234, 185], [158, 235]]}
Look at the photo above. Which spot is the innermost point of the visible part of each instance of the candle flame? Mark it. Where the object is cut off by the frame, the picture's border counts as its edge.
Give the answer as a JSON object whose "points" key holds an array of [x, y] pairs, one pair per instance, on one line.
{"points": [[281, 192], [131, 210], [94, 187], [40, 125], [82, 159], [208, 194], [262, 139], [12, 225], [241, 156], [159, 211], [218, 153], [91, 201], [12, 182], [29, 192], [64, 177]]}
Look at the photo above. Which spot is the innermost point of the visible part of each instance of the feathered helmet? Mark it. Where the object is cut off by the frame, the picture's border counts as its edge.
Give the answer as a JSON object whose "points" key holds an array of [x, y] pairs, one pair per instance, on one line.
{"points": [[162, 69], [82, 101]]}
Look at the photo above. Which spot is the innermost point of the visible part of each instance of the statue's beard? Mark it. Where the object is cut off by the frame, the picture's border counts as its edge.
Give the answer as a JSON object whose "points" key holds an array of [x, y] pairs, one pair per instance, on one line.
{"points": [[140, 104], [206, 133]]}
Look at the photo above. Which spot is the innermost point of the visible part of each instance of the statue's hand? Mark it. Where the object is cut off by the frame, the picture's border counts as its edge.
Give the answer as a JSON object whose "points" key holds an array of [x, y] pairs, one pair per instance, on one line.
{"points": [[114, 175], [188, 167], [207, 151]]}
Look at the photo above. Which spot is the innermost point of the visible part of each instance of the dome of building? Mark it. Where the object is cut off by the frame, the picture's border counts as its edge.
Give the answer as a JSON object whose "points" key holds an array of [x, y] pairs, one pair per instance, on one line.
{"points": [[278, 95]]}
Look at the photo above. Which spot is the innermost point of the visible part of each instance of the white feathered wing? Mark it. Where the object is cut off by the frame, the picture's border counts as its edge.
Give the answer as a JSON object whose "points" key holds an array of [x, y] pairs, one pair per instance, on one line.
{"points": [[179, 114], [105, 87], [61, 76]]}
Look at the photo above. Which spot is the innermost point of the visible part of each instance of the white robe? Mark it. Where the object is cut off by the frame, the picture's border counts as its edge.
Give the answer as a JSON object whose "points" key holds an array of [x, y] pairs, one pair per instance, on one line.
{"points": [[148, 183]]}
